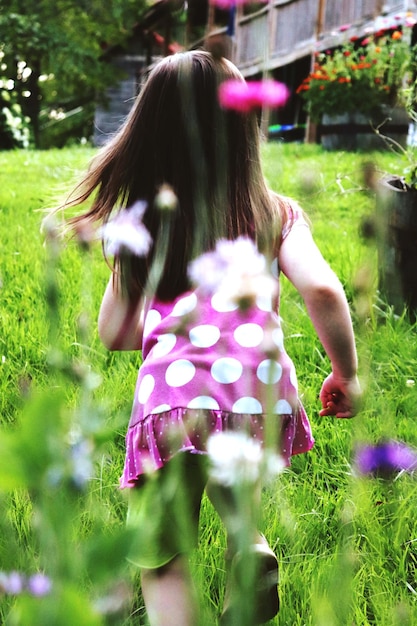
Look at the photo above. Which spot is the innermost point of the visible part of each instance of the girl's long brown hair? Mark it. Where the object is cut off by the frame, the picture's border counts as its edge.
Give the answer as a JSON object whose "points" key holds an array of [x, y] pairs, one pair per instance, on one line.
{"points": [[178, 135]]}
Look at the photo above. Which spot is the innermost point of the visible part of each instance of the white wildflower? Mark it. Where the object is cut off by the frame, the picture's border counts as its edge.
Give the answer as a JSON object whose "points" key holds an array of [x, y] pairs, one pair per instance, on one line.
{"points": [[237, 458], [236, 270], [125, 232], [166, 200]]}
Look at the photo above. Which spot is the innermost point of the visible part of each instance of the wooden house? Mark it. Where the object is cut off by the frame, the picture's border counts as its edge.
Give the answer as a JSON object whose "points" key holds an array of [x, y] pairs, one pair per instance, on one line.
{"points": [[151, 39], [280, 37], [274, 37]]}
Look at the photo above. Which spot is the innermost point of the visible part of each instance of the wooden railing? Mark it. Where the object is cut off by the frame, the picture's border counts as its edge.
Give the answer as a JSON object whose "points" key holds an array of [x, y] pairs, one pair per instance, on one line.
{"points": [[282, 31]]}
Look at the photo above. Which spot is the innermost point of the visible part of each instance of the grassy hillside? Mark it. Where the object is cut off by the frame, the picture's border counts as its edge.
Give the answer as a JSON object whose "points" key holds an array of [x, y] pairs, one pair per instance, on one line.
{"points": [[347, 546]]}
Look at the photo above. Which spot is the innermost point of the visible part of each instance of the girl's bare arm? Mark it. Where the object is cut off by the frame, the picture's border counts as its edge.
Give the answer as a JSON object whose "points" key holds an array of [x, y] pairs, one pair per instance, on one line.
{"points": [[326, 303], [120, 323]]}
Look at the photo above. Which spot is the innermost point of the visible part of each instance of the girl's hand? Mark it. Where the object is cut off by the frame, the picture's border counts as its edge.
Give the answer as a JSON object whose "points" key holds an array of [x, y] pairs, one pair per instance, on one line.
{"points": [[340, 397]]}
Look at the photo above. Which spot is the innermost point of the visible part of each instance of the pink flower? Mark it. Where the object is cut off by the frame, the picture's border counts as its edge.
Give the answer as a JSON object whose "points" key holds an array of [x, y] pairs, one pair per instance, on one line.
{"points": [[344, 27], [245, 96]]}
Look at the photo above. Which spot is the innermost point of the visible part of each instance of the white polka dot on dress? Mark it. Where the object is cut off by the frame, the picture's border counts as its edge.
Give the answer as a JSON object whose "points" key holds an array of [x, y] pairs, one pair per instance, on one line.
{"points": [[264, 302], [221, 304], [269, 372], [161, 408], [283, 407], [165, 344], [293, 378], [247, 404], [204, 336], [146, 387], [179, 373], [185, 305], [226, 370], [278, 338], [203, 402], [152, 319], [249, 335]]}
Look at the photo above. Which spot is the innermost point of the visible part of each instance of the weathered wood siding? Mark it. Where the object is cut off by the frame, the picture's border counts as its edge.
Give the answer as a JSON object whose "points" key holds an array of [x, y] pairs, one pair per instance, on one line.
{"points": [[252, 39], [343, 12], [302, 15], [283, 31]]}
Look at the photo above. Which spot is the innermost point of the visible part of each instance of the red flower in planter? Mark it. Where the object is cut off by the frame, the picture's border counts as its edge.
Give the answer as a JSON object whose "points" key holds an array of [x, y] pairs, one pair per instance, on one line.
{"points": [[360, 77]]}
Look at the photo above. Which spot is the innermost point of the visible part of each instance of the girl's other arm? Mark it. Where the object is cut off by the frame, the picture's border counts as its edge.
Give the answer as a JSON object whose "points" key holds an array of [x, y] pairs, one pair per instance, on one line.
{"points": [[326, 303], [120, 322]]}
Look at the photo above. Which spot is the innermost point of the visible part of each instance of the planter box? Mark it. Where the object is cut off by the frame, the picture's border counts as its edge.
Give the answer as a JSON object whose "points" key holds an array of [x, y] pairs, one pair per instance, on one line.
{"points": [[354, 131], [396, 219]]}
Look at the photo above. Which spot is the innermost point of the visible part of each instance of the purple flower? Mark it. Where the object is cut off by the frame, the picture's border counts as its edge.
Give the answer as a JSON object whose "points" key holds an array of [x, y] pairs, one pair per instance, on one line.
{"points": [[11, 583], [385, 459], [126, 233], [39, 585], [14, 583], [244, 96]]}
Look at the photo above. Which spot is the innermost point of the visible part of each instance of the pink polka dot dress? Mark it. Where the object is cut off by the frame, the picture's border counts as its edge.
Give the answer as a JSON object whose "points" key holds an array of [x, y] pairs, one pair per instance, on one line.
{"points": [[210, 367]]}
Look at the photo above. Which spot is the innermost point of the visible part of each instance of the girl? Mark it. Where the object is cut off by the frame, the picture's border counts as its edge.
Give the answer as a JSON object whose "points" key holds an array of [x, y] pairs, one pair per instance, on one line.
{"points": [[203, 356]]}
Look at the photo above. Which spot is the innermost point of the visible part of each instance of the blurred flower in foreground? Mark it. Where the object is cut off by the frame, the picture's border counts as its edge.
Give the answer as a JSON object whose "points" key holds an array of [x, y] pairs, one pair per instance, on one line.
{"points": [[236, 271], [239, 256], [85, 235], [245, 96], [81, 453], [11, 583], [166, 199], [126, 233], [14, 583], [116, 599], [238, 459], [385, 459], [38, 585]]}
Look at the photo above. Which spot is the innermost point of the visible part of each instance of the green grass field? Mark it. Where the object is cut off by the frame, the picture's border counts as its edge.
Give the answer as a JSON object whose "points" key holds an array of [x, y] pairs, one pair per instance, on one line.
{"points": [[347, 546]]}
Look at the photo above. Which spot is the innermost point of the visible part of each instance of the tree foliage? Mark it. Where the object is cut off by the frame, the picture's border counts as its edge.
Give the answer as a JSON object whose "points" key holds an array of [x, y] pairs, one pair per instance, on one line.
{"points": [[52, 51]]}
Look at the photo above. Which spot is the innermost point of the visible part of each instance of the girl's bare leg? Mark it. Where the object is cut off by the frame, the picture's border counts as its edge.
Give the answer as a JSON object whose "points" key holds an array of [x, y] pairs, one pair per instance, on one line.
{"points": [[169, 594], [264, 601]]}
